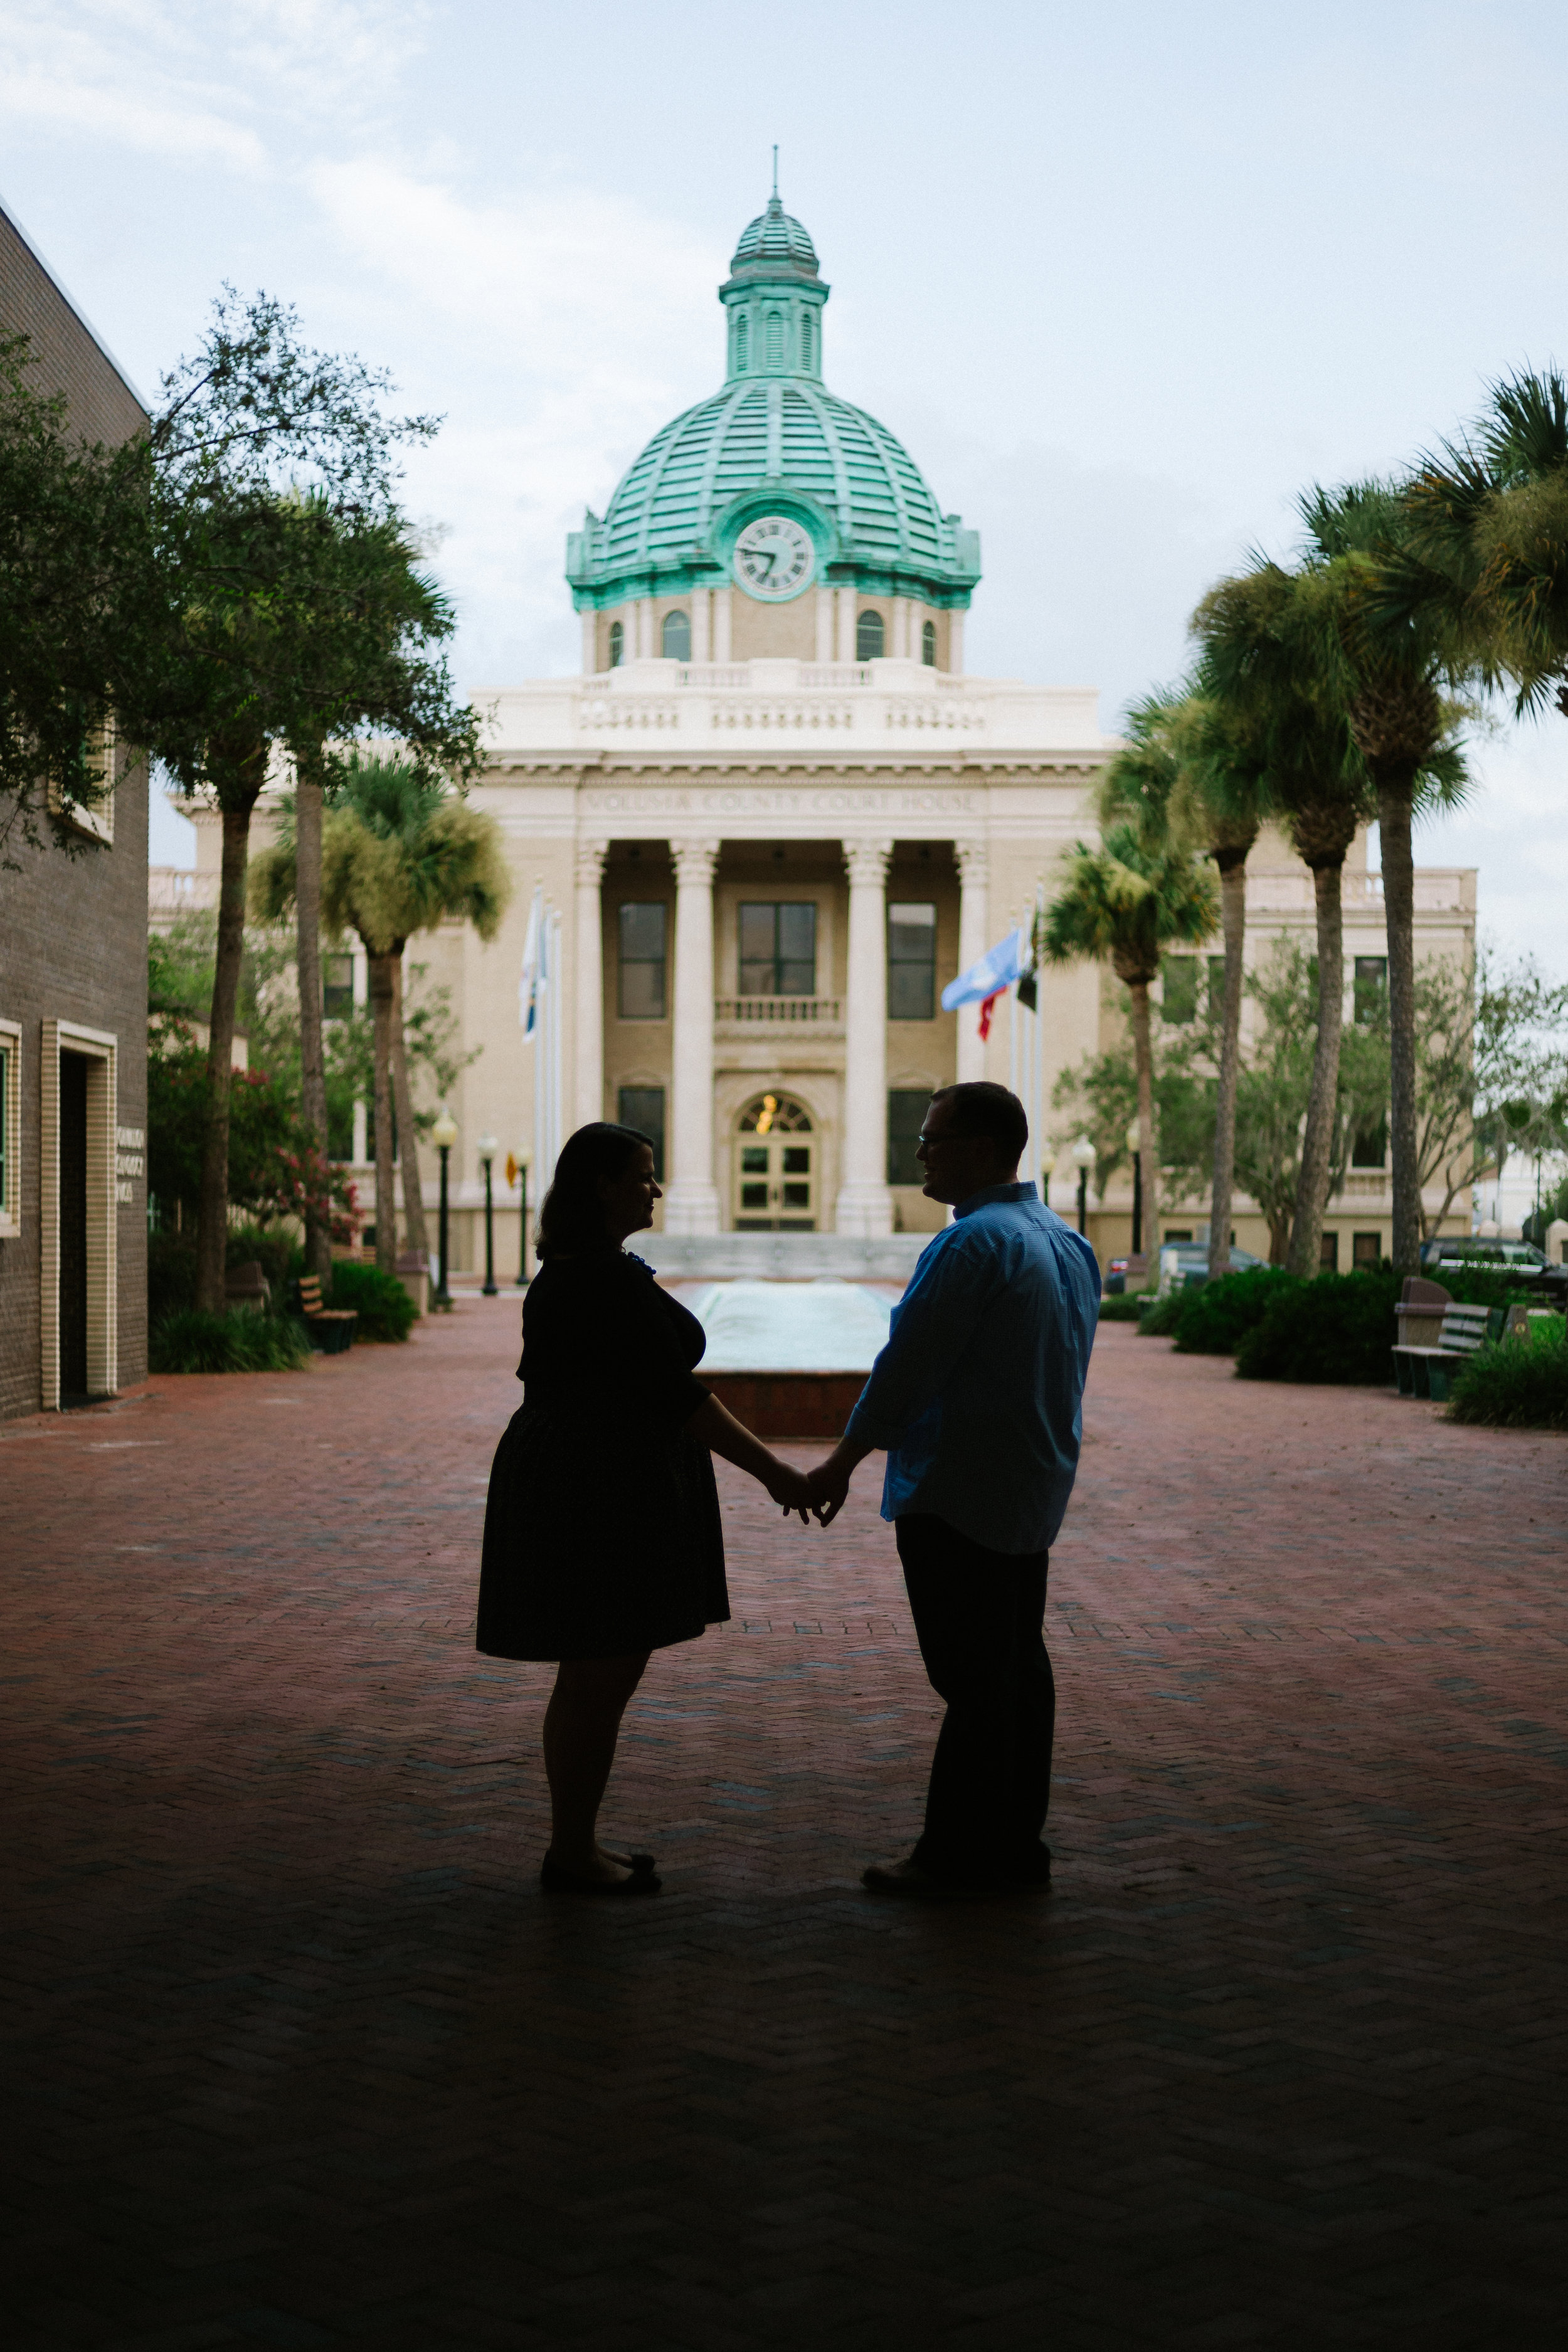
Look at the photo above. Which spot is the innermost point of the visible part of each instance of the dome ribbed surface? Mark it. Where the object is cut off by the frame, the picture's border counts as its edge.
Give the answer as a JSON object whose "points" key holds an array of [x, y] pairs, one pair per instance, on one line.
{"points": [[776, 235], [688, 474]]}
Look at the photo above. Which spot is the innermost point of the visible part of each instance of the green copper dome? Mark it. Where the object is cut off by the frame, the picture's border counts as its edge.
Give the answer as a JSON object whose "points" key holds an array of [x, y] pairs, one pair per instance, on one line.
{"points": [[773, 441]]}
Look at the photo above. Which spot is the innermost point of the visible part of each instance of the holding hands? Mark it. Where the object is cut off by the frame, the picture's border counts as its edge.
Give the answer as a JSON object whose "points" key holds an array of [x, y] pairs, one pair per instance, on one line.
{"points": [[823, 1491]]}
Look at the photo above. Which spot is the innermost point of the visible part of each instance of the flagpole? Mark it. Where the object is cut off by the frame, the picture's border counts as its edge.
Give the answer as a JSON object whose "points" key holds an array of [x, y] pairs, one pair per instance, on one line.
{"points": [[1012, 1027], [556, 1138], [1037, 1110]]}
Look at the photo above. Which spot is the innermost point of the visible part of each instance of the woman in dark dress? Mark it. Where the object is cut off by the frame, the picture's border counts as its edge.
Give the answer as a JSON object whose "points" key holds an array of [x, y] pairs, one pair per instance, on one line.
{"points": [[603, 1540]]}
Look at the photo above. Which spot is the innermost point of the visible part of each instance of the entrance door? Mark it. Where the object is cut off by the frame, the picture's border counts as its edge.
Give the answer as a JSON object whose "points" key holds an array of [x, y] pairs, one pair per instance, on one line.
{"points": [[776, 1168], [73, 1228]]}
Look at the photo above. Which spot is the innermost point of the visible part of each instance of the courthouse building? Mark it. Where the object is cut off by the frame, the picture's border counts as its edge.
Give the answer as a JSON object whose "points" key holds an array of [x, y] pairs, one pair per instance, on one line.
{"points": [[775, 816]]}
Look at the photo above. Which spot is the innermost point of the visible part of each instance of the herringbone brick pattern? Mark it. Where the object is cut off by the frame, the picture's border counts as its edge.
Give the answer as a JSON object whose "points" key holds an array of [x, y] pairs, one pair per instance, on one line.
{"points": [[299, 2057]]}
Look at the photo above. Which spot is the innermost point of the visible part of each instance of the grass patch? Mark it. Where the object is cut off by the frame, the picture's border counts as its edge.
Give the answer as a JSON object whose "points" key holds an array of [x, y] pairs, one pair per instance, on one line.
{"points": [[1520, 1384], [385, 1310], [1213, 1320], [190, 1341], [1338, 1328]]}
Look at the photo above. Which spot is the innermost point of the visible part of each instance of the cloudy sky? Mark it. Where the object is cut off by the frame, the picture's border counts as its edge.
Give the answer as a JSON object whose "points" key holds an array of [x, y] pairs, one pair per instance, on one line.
{"points": [[1125, 278]]}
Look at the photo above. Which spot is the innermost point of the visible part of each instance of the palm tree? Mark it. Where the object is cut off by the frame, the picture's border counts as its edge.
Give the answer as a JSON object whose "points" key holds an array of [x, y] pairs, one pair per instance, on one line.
{"points": [[1122, 904], [399, 611], [1404, 649], [399, 855], [1194, 768], [1270, 657]]}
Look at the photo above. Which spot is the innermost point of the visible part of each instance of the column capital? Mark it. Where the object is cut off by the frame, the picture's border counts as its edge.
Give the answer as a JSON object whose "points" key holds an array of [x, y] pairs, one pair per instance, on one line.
{"points": [[867, 863], [694, 862], [591, 856], [972, 858]]}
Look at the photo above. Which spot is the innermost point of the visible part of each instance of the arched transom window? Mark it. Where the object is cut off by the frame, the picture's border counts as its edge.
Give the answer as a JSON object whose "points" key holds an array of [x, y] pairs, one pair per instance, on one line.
{"points": [[617, 645], [870, 637], [928, 644], [677, 636]]}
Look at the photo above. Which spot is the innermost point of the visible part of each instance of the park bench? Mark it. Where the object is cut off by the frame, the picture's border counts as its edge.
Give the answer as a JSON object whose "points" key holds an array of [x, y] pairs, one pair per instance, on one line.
{"points": [[1427, 1371], [245, 1288], [330, 1328]]}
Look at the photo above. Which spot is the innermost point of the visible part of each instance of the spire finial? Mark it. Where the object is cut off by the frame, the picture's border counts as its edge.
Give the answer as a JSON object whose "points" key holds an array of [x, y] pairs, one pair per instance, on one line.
{"points": [[775, 173]]}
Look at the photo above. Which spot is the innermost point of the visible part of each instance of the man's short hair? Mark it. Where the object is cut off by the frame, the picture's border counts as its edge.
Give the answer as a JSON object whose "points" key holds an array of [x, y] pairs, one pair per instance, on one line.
{"points": [[982, 1108]]}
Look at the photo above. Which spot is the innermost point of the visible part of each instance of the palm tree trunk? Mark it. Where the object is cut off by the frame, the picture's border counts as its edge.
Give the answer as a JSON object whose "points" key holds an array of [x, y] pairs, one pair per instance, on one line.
{"points": [[1317, 1144], [381, 999], [1395, 793], [1149, 1142], [1233, 922], [212, 1206], [312, 1051], [408, 1141]]}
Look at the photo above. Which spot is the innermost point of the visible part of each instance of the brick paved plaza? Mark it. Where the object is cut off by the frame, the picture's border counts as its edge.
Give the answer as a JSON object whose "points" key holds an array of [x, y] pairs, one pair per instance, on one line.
{"points": [[299, 2057]]}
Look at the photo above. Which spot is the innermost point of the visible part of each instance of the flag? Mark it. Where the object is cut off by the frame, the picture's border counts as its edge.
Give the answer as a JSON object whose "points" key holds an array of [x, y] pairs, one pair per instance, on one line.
{"points": [[990, 978], [533, 971]]}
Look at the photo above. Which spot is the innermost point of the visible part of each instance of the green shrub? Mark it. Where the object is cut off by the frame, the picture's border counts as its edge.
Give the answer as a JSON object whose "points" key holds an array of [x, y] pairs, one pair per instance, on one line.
{"points": [[1211, 1321], [239, 1342], [1123, 1308], [1338, 1328], [1522, 1383], [171, 1276], [385, 1310], [276, 1250], [1478, 1287], [1158, 1322]]}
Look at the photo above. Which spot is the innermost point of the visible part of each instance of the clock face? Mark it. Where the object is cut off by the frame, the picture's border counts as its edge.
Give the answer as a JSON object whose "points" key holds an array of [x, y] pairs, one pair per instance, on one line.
{"points": [[773, 558]]}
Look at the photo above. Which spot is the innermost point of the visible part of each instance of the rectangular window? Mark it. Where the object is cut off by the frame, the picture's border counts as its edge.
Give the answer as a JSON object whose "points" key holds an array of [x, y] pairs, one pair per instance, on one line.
{"points": [[778, 948], [907, 1108], [337, 986], [643, 932], [10, 1126], [1179, 990], [1328, 1253], [1367, 1249], [1370, 1148], [643, 1108], [1217, 988], [911, 963], [1178, 1232], [1370, 989]]}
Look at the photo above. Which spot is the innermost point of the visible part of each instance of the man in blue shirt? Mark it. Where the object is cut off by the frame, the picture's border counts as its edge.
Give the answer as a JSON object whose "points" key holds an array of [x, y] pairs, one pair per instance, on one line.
{"points": [[977, 1399]]}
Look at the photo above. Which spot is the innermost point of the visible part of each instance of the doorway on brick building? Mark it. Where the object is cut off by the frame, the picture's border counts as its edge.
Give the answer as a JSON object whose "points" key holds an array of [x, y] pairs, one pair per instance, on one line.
{"points": [[73, 1229]]}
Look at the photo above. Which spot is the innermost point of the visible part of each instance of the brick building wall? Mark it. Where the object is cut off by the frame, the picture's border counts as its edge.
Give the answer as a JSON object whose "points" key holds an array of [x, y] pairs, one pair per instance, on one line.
{"points": [[73, 979]]}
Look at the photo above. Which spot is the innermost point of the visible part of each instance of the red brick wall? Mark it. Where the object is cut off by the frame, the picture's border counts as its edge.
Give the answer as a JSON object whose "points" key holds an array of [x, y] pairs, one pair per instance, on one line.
{"points": [[73, 932]]}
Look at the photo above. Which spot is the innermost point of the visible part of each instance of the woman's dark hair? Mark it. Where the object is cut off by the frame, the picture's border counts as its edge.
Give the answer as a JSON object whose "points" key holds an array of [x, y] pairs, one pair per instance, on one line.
{"points": [[571, 1215]]}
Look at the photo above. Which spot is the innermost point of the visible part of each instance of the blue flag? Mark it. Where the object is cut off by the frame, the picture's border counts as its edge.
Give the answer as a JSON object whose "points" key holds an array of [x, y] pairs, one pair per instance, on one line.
{"points": [[996, 971]]}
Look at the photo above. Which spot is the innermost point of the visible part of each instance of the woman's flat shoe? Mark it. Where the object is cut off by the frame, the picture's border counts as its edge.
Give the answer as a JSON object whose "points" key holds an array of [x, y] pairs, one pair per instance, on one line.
{"points": [[639, 1862], [556, 1881]]}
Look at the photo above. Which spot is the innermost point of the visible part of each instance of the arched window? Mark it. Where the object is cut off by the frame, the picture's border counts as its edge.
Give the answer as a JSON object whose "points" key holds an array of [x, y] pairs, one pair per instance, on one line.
{"points": [[743, 343], [677, 636], [870, 637], [773, 338], [807, 328], [928, 644], [617, 644]]}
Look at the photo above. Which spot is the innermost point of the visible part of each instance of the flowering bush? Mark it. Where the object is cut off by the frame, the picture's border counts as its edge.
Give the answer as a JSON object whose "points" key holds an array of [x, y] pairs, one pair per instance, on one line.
{"points": [[274, 1168]]}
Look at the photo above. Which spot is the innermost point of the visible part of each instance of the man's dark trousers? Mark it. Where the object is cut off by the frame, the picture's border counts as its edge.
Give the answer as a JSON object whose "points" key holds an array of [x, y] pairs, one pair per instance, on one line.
{"points": [[978, 1617]]}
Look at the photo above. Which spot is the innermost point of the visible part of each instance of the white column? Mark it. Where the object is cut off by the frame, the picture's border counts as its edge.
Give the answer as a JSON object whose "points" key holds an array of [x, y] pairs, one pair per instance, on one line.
{"points": [[825, 624], [864, 1203], [646, 646], [702, 636], [721, 625], [691, 1204], [903, 623], [589, 641], [589, 985], [956, 643], [973, 875], [845, 624]]}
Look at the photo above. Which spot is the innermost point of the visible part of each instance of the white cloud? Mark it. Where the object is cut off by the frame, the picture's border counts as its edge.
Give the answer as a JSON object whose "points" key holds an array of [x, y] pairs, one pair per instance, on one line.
{"points": [[198, 84]]}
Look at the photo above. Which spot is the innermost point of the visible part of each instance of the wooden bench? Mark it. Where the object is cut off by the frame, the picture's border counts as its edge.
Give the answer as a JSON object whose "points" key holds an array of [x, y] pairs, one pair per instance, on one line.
{"points": [[330, 1328], [1428, 1372]]}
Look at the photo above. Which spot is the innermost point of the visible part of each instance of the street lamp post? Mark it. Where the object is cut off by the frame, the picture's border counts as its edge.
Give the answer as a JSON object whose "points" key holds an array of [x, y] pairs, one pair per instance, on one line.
{"points": [[487, 1148], [444, 1134], [524, 1160], [1084, 1156], [1135, 1148], [1048, 1163]]}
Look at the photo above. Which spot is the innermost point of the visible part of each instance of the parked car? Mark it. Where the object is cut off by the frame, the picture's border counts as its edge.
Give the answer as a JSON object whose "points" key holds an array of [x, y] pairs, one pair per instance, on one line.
{"points": [[1183, 1260], [1521, 1261]]}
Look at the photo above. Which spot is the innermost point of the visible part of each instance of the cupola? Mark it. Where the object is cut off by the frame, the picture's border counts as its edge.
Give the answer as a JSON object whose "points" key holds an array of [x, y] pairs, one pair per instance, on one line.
{"points": [[774, 298]]}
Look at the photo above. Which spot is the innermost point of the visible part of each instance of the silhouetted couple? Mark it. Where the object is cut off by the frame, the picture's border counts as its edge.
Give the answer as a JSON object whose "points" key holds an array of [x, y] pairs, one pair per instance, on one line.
{"points": [[603, 1539]]}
